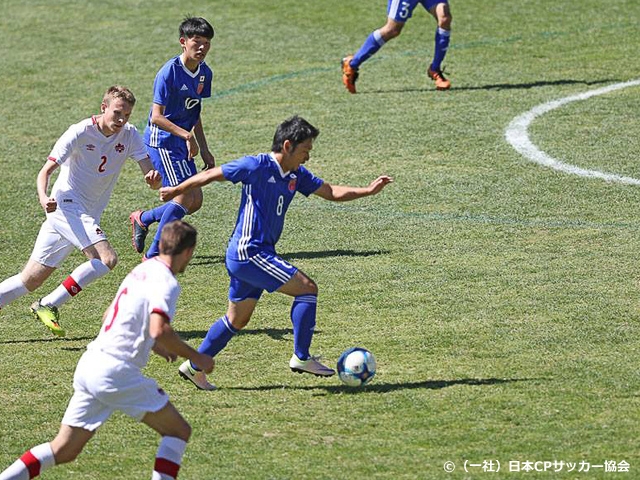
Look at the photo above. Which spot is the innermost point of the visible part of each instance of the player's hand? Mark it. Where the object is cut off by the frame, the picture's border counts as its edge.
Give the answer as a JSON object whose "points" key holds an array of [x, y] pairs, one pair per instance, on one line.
{"points": [[208, 159], [167, 193], [204, 362], [379, 183], [192, 147], [153, 179], [164, 353], [49, 205]]}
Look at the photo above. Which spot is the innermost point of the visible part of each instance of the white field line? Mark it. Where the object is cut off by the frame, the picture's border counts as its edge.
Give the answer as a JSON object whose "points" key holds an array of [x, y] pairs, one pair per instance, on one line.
{"points": [[517, 135]]}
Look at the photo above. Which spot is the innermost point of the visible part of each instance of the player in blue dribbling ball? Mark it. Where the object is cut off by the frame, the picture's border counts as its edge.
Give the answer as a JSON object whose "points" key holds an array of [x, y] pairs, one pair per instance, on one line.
{"points": [[269, 183]]}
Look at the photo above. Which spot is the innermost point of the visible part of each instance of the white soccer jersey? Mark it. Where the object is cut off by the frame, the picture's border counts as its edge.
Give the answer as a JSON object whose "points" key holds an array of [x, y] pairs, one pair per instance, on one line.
{"points": [[151, 287], [90, 164]]}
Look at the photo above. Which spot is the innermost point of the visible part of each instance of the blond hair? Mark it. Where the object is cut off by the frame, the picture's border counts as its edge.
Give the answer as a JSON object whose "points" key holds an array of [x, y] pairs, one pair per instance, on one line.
{"points": [[118, 91]]}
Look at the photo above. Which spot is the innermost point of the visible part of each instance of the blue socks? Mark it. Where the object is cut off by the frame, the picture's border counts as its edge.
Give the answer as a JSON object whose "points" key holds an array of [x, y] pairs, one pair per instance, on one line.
{"points": [[442, 43], [371, 45], [303, 317], [217, 337], [170, 211]]}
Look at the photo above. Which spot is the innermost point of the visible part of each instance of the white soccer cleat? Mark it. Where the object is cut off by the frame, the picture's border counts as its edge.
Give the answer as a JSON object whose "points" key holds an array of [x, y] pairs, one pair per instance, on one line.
{"points": [[198, 378], [312, 365]]}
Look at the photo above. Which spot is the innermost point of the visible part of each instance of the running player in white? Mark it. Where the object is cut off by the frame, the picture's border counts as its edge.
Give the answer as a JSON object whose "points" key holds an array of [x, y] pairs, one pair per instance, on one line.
{"points": [[90, 155], [270, 181], [108, 376]]}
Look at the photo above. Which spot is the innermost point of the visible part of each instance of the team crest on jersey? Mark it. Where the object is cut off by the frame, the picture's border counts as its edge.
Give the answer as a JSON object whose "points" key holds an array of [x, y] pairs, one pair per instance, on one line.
{"points": [[119, 148], [292, 184], [91, 147]]}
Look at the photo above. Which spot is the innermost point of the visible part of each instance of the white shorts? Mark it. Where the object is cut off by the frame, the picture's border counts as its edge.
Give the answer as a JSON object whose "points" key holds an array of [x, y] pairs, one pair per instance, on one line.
{"points": [[62, 231], [103, 384]]}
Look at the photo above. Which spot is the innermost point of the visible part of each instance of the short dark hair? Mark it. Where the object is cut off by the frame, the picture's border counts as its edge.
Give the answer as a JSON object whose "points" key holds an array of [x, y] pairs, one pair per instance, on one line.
{"points": [[295, 129], [192, 26], [176, 237]]}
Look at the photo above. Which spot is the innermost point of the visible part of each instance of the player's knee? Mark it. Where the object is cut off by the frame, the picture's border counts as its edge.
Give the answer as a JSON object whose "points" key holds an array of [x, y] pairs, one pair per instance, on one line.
{"points": [[312, 287], [110, 260], [390, 32], [445, 22]]}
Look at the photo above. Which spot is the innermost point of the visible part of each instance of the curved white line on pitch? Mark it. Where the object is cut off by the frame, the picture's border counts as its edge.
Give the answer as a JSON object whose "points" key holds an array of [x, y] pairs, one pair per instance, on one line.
{"points": [[517, 135]]}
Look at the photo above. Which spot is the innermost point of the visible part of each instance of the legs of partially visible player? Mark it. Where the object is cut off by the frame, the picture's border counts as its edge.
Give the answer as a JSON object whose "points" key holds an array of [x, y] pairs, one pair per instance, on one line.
{"points": [[442, 14], [374, 42], [63, 449], [175, 432]]}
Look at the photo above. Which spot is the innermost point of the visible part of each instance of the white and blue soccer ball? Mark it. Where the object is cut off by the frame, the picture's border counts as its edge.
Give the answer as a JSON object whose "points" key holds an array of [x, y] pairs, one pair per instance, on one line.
{"points": [[356, 366]]}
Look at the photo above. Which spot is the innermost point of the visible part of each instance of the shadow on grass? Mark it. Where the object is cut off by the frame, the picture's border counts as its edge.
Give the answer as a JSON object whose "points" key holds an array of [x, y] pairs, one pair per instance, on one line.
{"points": [[274, 333], [499, 86], [199, 260], [46, 340], [390, 387]]}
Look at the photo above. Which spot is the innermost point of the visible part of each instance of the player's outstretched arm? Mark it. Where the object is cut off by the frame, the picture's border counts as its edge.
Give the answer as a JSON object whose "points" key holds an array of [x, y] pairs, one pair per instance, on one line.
{"points": [[339, 193], [151, 176], [42, 185], [198, 180], [169, 344]]}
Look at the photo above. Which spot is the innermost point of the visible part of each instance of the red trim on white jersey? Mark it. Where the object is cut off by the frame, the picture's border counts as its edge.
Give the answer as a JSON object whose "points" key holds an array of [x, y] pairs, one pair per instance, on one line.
{"points": [[162, 313]]}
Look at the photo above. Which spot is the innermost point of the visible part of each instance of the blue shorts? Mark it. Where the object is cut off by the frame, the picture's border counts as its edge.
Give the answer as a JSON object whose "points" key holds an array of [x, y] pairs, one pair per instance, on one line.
{"points": [[264, 271], [401, 10], [173, 164]]}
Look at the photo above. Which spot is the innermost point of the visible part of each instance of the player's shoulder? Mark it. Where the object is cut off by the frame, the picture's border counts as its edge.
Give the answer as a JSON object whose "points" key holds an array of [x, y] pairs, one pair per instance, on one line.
{"points": [[206, 69], [88, 125], [156, 273], [169, 66]]}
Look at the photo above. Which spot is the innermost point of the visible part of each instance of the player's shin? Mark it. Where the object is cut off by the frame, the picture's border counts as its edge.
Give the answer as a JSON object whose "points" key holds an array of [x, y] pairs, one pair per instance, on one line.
{"points": [[217, 337], [303, 318]]}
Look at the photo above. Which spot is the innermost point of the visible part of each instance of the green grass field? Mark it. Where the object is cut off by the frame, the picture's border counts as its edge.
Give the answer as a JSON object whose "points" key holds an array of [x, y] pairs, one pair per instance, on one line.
{"points": [[500, 297]]}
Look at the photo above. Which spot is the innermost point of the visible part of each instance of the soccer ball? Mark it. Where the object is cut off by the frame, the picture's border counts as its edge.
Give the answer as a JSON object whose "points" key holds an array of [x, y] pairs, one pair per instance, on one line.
{"points": [[356, 366]]}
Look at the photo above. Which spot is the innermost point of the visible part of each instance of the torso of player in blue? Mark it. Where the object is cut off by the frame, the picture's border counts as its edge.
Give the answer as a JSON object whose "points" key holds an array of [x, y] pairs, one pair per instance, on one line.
{"points": [[181, 92], [267, 192]]}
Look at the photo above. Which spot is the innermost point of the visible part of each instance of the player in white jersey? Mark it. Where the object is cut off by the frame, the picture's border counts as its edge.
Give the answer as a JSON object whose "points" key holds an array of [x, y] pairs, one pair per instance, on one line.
{"points": [[90, 156], [108, 376]]}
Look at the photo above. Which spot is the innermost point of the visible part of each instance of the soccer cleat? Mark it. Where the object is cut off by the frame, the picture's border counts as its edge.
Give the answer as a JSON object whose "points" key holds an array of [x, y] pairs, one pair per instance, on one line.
{"points": [[438, 77], [349, 74], [198, 378], [312, 365], [48, 314], [138, 231]]}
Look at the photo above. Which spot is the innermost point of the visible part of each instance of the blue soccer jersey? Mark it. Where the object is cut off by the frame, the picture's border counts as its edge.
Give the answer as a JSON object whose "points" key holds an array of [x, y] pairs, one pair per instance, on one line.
{"points": [[266, 194], [181, 92]]}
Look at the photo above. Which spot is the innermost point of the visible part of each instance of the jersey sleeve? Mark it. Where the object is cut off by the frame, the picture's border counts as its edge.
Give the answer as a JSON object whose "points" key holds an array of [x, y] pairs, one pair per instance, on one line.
{"points": [[208, 80], [163, 299], [241, 170], [137, 148], [162, 86], [64, 146], [307, 182]]}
